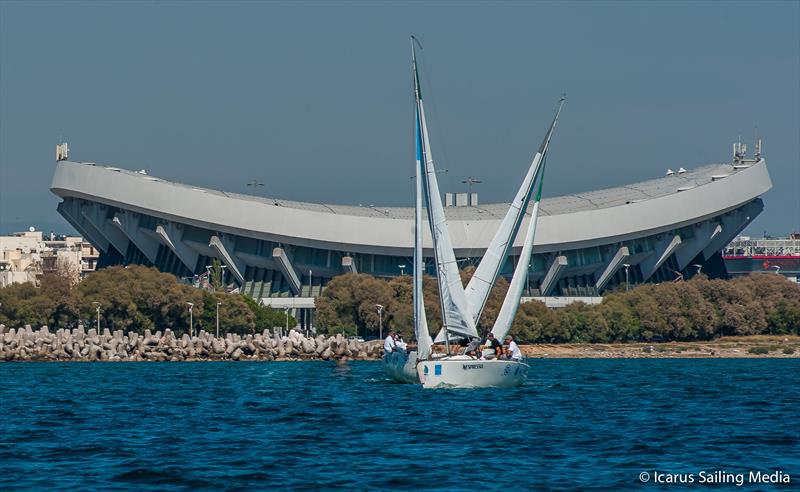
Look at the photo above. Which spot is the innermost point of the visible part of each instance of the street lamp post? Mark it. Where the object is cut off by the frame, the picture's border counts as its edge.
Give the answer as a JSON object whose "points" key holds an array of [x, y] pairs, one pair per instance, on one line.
{"points": [[286, 310], [218, 305], [528, 279], [627, 267], [380, 319], [699, 267], [777, 268], [402, 269], [191, 319], [97, 309]]}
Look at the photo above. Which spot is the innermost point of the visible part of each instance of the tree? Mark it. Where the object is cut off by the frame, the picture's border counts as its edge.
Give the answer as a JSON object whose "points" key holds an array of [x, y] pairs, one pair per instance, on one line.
{"points": [[215, 275]]}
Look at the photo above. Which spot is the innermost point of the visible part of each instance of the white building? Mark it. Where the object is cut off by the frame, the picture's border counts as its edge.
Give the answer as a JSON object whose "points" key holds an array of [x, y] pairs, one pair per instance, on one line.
{"points": [[588, 242], [25, 256]]}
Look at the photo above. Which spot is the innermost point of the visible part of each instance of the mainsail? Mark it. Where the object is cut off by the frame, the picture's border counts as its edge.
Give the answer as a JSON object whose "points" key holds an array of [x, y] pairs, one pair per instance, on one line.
{"points": [[423, 336], [480, 285], [456, 317]]}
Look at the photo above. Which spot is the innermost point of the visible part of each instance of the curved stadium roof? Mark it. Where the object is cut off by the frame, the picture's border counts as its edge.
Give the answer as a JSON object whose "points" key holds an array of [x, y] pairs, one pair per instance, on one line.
{"points": [[581, 219]]}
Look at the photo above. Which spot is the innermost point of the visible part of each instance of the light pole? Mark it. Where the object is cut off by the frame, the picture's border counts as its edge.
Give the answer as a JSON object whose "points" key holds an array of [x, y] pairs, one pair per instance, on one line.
{"points": [[627, 267], [469, 182], [218, 305], [97, 309], [380, 319], [191, 319], [402, 269], [255, 184], [208, 277], [777, 268], [528, 279], [286, 310], [699, 267]]}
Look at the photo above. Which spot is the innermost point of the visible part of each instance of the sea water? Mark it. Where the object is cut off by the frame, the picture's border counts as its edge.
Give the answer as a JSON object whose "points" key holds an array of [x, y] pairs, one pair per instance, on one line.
{"points": [[576, 424]]}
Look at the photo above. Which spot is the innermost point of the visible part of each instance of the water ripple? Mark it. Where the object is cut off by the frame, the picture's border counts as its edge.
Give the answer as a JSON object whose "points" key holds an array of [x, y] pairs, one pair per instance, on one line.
{"points": [[577, 424]]}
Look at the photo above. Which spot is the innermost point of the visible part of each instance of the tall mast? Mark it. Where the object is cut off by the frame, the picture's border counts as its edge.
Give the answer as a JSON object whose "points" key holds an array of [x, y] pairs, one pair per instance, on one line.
{"points": [[424, 341], [455, 313], [511, 302], [488, 270]]}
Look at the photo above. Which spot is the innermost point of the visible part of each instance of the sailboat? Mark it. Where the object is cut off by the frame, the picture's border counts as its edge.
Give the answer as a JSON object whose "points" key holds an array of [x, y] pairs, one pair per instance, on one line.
{"points": [[461, 308]]}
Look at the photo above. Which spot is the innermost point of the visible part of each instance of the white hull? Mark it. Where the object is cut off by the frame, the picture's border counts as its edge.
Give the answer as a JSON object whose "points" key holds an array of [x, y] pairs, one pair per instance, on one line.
{"points": [[466, 372], [401, 366]]}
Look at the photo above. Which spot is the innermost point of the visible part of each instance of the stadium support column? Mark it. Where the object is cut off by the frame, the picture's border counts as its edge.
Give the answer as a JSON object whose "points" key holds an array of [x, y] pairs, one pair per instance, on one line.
{"points": [[223, 246], [612, 267], [664, 248], [704, 233], [349, 264], [553, 275], [97, 215], [128, 223], [70, 210], [733, 223], [171, 236], [286, 267]]}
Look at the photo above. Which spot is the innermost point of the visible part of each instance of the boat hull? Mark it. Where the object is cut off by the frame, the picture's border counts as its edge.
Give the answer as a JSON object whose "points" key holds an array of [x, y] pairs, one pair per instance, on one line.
{"points": [[467, 372], [401, 366]]}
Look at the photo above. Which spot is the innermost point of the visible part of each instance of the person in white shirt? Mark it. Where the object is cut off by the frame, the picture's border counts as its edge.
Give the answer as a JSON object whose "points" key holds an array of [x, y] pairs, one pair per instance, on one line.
{"points": [[388, 343], [513, 348], [399, 343]]}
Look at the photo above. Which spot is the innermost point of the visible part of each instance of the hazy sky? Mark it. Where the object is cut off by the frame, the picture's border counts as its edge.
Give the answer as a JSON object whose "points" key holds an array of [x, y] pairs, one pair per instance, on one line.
{"points": [[314, 99]]}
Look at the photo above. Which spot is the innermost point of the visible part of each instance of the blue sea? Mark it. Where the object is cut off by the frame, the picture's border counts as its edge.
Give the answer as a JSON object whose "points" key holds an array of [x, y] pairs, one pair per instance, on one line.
{"points": [[576, 425]]}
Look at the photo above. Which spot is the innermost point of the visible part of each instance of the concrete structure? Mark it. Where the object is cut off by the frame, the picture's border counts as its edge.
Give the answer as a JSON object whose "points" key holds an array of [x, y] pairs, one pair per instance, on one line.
{"points": [[276, 248], [24, 256]]}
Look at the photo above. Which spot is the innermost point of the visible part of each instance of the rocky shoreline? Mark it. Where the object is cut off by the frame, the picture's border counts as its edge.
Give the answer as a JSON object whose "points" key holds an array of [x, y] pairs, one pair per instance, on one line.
{"points": [[26, 344], [80, 345], [775, 346]]}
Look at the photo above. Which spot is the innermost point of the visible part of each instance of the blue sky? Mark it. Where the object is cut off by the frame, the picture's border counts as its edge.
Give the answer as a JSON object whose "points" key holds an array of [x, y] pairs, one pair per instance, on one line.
{"points": [[314, 99]]}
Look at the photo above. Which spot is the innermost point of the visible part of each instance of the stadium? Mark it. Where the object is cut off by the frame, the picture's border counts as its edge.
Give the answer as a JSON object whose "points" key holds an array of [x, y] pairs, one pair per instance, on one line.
{"points": [[284, 252]]}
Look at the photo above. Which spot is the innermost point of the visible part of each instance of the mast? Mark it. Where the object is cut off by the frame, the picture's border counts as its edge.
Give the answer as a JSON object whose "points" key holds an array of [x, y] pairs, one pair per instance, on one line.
{"points": [[482, 281], [424, 341], [511, 302], [455, 314]]}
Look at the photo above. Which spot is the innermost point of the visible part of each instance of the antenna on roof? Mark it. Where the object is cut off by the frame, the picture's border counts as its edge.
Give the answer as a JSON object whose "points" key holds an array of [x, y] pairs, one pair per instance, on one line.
{"points": [[758, 146], [62, 151]]}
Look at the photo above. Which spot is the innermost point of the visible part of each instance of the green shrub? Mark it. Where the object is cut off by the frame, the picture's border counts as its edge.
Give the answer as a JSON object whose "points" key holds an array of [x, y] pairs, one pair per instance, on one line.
{"points": [[758, 350], [788, 350]]}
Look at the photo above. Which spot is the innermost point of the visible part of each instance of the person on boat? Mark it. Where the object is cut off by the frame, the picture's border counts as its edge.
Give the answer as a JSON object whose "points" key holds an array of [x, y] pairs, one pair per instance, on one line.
{"points": [[400, 344], [514, 353], [389, 344], [495, 345], [474, 346]]}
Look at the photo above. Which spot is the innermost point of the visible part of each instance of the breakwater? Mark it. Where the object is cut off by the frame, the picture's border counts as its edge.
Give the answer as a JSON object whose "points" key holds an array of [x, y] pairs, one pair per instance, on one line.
{"points": [[78, 344]]}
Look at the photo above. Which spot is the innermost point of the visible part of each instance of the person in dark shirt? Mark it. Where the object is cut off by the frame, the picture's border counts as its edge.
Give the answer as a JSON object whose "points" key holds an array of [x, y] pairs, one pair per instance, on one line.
{"points": [[495, 345]]}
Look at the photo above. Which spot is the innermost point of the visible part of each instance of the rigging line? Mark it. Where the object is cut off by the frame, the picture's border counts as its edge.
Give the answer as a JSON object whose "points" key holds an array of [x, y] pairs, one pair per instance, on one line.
{"points": [[442, 148]]}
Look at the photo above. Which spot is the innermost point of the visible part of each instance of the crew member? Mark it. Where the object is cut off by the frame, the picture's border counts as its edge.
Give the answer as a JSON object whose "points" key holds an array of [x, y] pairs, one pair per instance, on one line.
{"points": [[495, 345], [389, 344], [473, 347], [513, 349], [399, 343]]}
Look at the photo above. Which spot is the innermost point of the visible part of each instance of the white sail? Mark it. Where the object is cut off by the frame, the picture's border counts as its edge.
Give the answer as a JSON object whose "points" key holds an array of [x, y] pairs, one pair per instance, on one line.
{"points": [[480, 285], [421, 332], [456, 317], [511, 302]]}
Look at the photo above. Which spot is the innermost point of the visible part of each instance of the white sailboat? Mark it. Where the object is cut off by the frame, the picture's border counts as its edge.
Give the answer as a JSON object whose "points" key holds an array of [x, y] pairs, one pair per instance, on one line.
{"points": [[466, 371], [461, 308]]}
